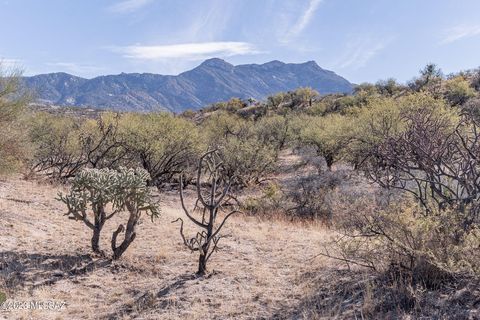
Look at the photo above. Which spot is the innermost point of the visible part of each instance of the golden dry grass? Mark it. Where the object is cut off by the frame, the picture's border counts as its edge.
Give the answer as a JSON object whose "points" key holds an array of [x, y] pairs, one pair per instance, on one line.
{"points": [[259, 273]]}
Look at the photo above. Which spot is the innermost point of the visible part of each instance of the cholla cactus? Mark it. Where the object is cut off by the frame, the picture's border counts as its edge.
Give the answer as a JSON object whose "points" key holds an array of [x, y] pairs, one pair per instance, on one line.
{"points": [[125, 189], [209, 202], [134, 195]]}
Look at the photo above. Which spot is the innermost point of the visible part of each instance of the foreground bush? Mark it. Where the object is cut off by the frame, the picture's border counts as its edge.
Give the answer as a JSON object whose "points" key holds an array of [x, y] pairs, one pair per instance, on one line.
{"points": [[407, 244], [14, 146], [98, 195], [425, 233]]}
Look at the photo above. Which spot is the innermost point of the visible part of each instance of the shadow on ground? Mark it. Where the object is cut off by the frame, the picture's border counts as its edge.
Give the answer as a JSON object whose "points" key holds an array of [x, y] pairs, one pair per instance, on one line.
{"points": [[32, 270], [154, 299], [348, 294]]}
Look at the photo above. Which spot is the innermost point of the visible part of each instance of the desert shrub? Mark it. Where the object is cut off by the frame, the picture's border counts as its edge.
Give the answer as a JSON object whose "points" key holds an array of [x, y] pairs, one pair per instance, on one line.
{"points": [[273, 131], [403, 242], [329, 135], [338, 103], [475, 79], [14, 147], [389, 87], [249, 161], [275, 101], [222, 126], [189, 114], [430, 80], [209, 203], [383, 118], [434, 158], [65, 145], [253, 112], [318, 108], [57, 149], [472, 109], [410, 256], [458, 91], [231, 105], [311, 197], [161, 143], [246, 150], [272, 201], [428, 233], [304, 97], [101, 143], [363, 95], [99, 194]]}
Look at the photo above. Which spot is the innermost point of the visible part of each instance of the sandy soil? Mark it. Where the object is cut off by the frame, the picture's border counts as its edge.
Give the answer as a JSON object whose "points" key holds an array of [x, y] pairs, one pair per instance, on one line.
{"points": [[261, 272]]}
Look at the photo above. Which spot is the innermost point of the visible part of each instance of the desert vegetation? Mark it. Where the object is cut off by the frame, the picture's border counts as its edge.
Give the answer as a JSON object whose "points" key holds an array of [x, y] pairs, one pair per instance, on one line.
{"points": [[211, 168], [390, 173], [123, 190]]}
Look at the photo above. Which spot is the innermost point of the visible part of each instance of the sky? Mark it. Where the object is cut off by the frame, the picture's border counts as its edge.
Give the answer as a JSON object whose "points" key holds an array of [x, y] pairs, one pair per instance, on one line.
{"points": [[361, 40]]}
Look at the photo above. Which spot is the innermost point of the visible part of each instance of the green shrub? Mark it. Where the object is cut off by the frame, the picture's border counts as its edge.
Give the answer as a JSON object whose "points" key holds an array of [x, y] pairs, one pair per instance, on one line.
{"points": [[458, 91], [329, 135], [400, 238], [273, 131], [161, 143], [14, 146], [247, 150], [65, 145]]}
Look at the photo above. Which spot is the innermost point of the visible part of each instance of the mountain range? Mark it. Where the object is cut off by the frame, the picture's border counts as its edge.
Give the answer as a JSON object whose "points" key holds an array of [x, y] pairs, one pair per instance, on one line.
{"points": [[212, 81]]}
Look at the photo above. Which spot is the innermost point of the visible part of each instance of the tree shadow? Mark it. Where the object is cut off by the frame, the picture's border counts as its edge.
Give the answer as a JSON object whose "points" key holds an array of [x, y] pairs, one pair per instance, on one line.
{"points": [[32, 270], [154, 300], [339, 295]]}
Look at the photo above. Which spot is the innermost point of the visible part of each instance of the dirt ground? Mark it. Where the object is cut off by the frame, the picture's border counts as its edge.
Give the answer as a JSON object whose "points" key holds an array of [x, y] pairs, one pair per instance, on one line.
{"points": [[262, 270]]}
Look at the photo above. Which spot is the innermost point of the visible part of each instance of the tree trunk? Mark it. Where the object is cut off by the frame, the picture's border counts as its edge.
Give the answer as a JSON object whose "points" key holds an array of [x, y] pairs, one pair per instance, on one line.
{"points": [[329, 160], [96, 239], [118, 251], [129, 233], [202, 265], [99, 222]]}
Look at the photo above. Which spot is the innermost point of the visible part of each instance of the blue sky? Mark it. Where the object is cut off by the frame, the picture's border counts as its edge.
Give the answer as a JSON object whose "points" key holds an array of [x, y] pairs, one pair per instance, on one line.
{"points": [[362, 40]]}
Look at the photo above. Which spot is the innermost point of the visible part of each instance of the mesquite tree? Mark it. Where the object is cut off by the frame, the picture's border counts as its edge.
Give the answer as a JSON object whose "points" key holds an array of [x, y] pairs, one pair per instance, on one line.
{"points": [[213, 175], [14, 145], [93, 189], [435, 160], [65, 146]]}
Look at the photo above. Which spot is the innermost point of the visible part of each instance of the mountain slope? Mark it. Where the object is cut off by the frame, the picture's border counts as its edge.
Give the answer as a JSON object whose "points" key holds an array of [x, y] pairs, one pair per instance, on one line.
{"points": [[212, 81]]}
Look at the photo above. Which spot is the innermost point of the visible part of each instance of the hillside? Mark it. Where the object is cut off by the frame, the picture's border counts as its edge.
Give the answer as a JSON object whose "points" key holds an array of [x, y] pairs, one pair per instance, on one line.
{"points": [[212, 81]]}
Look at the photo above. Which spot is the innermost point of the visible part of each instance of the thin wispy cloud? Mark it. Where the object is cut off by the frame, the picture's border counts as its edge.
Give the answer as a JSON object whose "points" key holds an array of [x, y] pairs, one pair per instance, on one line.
{"points": [[187, 51], [209, 23], [303, 20], [129, 6], [360, 51], [6, 63], [460, 32]]}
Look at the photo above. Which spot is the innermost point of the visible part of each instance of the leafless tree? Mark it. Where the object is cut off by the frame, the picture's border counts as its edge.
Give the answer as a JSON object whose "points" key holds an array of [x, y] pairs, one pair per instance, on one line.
{"points": [[435, 161], [101, 148], [210, 202]]}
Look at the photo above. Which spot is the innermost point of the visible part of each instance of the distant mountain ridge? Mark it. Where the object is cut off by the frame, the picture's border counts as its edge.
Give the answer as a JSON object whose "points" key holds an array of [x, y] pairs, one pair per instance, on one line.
{"points": [[212, 81]]}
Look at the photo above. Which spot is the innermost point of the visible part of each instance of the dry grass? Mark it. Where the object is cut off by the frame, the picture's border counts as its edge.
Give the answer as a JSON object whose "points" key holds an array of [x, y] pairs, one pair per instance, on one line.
{"points": [[259, 273]]}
